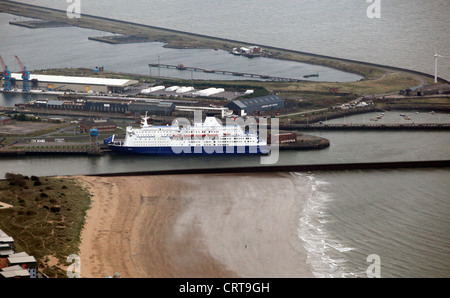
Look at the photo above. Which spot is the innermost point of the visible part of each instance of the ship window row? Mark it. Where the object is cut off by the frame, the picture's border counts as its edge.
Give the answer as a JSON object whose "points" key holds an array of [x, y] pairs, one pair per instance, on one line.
{"points": [[191, 142]]}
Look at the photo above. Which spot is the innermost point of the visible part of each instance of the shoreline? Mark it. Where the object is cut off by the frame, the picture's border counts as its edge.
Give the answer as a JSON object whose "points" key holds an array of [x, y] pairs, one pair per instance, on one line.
{"points": [[194, 226]]}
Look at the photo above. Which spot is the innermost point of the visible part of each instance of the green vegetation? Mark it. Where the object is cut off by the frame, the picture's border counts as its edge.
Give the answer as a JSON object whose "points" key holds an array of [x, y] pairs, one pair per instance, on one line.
{"points": [[417, 103], [46, 219], [23, 117]]}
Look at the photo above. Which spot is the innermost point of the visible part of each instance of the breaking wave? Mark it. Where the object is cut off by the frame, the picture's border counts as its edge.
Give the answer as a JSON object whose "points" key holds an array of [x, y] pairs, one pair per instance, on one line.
{"points": [[326, 255]]}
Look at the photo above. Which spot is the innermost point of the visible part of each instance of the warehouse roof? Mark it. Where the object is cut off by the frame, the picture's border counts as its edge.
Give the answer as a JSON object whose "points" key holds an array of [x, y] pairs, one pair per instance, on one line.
{"points": [[55, 102], [6, 239], [6, 252], [257, 101], [14, 271], [77, 80], [20, 260]]}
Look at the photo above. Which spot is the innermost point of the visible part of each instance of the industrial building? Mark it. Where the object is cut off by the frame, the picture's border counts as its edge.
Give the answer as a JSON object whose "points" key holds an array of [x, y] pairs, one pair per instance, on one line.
{"points": [[5, 120], [102, 125], [107, 106], [424, 90], [76, 84], [282, 138], [253, 105], [160, 108]]}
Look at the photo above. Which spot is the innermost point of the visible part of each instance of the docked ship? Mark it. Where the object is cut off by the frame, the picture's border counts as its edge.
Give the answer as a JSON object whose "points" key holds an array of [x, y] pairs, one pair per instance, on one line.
{"points": [[208, 137]]}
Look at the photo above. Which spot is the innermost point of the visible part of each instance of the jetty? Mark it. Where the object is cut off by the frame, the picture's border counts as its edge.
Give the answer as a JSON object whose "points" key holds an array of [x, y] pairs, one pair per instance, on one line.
{"points": [[225, 72], [39, 24], [292, 168], [359, 126]]}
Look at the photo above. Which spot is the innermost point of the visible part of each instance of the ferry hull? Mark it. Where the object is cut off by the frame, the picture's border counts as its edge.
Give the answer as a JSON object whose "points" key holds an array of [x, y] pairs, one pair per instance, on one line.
{"points": [[261, 150]]}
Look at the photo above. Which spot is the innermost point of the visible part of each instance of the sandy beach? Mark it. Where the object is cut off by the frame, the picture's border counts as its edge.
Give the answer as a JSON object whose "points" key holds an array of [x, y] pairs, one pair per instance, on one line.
{"points": [[194, 226]]}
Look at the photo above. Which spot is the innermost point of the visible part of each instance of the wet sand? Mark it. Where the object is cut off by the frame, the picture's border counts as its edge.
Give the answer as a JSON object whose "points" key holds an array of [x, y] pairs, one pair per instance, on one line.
{"points": [[194, 226]]}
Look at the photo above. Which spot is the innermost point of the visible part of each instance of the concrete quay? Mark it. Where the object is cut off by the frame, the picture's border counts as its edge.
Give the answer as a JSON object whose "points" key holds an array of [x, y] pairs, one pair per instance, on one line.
{"points": [[394, 126]]}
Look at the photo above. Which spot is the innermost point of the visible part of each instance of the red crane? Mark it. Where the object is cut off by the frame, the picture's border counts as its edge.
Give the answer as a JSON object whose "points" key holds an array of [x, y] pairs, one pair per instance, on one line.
{"points": [[3, 64]]}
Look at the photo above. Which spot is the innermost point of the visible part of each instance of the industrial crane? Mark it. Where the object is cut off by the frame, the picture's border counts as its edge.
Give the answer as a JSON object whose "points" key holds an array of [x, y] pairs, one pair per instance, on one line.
{"points": [[6, 76], [25, 76]]}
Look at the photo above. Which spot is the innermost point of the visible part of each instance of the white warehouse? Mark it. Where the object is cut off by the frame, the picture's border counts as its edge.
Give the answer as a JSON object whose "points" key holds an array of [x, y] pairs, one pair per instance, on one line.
{"points": [[77, 84]]}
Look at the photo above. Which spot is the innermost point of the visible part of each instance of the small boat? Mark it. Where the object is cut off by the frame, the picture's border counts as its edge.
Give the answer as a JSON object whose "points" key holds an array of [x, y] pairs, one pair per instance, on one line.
{"points": [[236, 52]]}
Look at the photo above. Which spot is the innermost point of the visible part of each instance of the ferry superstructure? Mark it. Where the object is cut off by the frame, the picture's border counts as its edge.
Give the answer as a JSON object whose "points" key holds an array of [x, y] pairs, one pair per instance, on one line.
{"points": [[208, 137]]}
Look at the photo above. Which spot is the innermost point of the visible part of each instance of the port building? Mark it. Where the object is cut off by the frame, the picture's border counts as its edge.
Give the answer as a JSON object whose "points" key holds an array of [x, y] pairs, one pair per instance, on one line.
{"points": [[424, 90], [107, 106], [5, 120], [76, 84], [102, 125], [258, 104]]}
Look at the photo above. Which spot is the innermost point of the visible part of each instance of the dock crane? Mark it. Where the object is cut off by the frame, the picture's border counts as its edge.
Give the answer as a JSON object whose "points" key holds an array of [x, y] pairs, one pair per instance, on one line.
{"points": [[25, 76], [6, 76]]}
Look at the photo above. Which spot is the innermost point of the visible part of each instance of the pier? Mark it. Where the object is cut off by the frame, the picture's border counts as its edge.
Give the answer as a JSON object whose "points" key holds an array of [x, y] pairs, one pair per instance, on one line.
{"points": [[225, 72], [122, 39], [359, 126], [54, 151], [292, 168], [39, 24]]}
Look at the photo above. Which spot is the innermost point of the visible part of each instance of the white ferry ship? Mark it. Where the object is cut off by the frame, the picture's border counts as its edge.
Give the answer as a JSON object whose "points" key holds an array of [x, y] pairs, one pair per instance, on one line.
{"points": [[208, 137]]}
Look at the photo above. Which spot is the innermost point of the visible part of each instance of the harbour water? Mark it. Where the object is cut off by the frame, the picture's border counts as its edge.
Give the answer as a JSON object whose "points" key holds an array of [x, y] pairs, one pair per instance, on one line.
{"points": [[135, 58], [403, 216], [11, 99], [406, 34]]}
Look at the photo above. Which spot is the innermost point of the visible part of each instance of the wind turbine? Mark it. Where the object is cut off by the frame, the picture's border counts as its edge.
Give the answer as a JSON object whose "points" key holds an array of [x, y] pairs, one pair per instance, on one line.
{"points": [[436, 55]]}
